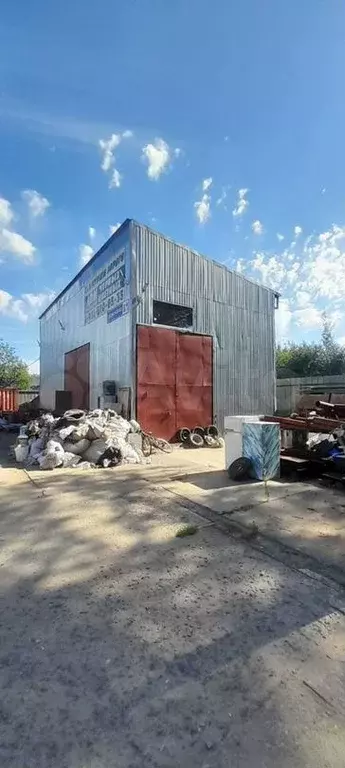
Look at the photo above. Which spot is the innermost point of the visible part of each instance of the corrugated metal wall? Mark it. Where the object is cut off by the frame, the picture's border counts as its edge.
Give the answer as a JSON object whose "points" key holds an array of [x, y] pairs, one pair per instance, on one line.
{"points": [[63, 328], [238, 314], [8, 399]]}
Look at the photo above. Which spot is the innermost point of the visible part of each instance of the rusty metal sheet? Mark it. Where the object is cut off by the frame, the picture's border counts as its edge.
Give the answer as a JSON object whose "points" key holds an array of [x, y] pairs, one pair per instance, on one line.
{"points": [[8, 400], [156, 409], [156, 356], [156, 381], [77, 376], [193, 381]]}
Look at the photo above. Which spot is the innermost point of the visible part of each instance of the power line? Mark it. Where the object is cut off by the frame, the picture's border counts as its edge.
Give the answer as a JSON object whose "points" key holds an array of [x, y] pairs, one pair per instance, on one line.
{"points": [[33, 363]]}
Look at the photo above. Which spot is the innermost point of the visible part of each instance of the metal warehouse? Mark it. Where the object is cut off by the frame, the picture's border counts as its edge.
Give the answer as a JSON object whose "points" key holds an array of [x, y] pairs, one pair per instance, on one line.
{"points": [[177, 339]]}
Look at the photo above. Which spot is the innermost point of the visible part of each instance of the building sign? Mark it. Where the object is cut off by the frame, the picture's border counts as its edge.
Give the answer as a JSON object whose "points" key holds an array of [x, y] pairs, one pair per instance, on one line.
{"points": [[107, 292]]}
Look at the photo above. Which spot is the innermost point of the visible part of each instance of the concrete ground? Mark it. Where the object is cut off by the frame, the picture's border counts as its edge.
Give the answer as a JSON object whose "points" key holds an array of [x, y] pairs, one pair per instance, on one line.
{"points": [[124, 646], [307, 518]]}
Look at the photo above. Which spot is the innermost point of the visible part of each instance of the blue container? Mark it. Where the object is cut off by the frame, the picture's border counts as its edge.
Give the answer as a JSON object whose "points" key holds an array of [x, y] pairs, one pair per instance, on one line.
{"points": [[261, 444]]}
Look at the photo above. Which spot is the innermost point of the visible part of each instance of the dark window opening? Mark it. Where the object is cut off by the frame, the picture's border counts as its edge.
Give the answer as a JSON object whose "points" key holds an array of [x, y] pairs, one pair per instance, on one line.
{"points": [[172, 314]]}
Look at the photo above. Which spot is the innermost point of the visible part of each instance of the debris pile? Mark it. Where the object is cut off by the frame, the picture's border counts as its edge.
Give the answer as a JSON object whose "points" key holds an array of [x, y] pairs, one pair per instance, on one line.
{"points": [[314, 444], [99, 438]]}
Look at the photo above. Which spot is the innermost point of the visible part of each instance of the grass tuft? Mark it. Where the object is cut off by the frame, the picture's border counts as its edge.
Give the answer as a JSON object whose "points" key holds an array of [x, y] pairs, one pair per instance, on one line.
{"points": [[186, 530]]}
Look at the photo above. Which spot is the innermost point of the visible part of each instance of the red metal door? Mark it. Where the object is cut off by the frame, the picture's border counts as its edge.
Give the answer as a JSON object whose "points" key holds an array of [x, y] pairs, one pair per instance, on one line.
{"points": [[77, 376], [156, 395], [174, 380], [194, 380]]}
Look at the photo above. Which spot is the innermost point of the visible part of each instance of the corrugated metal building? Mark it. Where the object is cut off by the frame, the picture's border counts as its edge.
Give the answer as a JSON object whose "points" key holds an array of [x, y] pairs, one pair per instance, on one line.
{"points": [[187, 339]]}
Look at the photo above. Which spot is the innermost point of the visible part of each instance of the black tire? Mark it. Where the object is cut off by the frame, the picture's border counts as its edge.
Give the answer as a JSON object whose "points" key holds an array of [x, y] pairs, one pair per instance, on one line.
{"points": [[210, 441], [196, 440], [184, 435], [199, 431], [239, 469], [212, 431]]}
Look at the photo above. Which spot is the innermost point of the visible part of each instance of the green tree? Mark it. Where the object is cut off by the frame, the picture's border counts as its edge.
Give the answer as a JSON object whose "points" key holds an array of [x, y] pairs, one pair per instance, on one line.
{"points": [[326, 358], [13, 371]]}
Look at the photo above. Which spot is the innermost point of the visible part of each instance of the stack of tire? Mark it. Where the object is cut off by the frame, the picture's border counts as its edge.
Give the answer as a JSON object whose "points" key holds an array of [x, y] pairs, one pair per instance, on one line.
{"points": [[200, 437]]}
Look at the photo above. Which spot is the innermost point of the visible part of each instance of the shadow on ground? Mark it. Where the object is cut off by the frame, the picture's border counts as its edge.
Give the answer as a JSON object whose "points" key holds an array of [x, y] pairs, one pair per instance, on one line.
{"points": [[123, 646]]}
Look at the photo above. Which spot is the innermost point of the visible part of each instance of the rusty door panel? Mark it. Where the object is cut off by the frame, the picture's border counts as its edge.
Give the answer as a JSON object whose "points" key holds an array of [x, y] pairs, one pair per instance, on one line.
{"points": [[156, 355], [193, 407], [77, 376], [156, 409], [194, 392], [156, 396], [194, 360]]}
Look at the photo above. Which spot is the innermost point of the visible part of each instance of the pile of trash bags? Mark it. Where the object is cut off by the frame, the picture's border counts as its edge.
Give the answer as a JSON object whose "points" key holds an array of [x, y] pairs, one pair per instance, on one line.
{"points": [[99, 438]]}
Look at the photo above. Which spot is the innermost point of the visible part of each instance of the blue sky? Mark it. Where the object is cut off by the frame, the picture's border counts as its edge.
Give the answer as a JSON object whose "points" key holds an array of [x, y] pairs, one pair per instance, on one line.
{"points": [[220, 124]]}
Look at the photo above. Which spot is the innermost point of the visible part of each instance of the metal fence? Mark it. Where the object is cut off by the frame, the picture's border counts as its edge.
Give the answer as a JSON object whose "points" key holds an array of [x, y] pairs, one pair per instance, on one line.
{"points": [[26, 396], [289, 391]]}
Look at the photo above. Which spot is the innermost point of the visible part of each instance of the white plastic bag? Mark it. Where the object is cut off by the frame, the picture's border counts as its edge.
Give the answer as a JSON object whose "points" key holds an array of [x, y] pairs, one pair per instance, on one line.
{"points": [[95, 450], [78, 448], [21, 453], [70, 459], [66, 432]]}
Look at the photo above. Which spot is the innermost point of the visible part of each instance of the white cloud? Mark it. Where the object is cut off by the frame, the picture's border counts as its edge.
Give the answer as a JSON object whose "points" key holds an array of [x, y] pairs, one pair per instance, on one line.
{"points": [[202, 208], [270, 270], [38, 301], [242, 203], [115, 180], [324, 264], [206, 184], [309, 318], [280, 237], [257, 227], [157, 156], [221, 199], [177, 151], [298, 230], [6, 213], [310, 275], [114, 227], [85, 254], [283, 317], [107, 148], [303, 299], [240, 266], [36, 202], [92, 233], [11, 307], [12, 242], [26, 307]]}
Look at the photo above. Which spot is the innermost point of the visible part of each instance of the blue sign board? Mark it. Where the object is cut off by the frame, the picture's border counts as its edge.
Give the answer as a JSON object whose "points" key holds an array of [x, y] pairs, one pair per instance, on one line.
{"points": [[107, 284]]}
